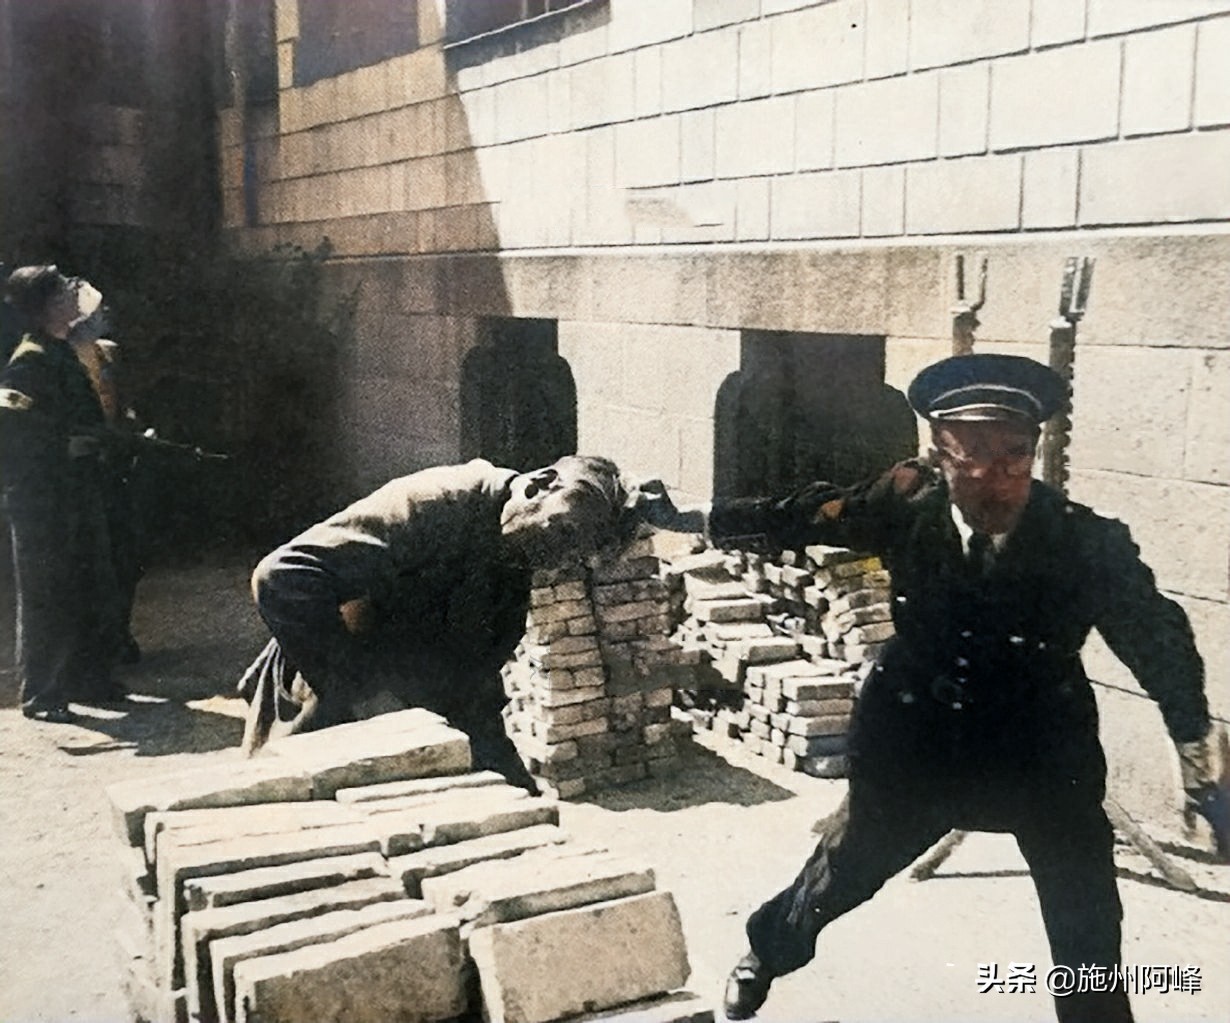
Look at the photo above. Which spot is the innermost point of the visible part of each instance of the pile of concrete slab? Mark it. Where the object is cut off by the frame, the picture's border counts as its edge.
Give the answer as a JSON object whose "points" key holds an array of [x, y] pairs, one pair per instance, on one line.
{"points": [[787, 640], [365, 873], [592, 682]]}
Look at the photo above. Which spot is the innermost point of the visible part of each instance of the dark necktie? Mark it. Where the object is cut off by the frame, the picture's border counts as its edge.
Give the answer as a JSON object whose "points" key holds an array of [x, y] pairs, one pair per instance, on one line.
{"points": [[980, 549]]}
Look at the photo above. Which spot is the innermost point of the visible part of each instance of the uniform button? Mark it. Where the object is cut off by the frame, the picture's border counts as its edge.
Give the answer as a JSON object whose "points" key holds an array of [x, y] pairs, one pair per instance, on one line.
{"points": [[966, 634], [1016, 640], [962, 662], [906, 697]]}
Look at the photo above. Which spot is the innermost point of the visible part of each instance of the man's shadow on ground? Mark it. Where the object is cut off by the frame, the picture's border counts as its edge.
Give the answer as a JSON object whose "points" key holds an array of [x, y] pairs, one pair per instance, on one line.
{"points": [[702, 777], [151, 726]]}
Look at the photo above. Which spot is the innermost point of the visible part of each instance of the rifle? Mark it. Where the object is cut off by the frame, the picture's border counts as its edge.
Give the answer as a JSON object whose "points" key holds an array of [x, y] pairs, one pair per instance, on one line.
{"points": [[111, 445], [148, 441]]}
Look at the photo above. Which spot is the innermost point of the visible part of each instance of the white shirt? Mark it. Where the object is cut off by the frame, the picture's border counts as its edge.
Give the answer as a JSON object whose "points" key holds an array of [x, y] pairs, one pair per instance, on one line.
{"points": [[998, 540]]}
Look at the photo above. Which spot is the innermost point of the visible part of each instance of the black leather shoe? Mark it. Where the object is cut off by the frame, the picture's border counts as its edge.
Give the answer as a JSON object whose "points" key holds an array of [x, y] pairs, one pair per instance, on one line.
{"points": [[56, 715], [746, 988], [100, 692]]}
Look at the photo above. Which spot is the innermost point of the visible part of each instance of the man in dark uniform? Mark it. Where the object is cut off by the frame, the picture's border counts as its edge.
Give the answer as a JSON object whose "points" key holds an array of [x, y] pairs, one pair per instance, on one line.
{"points": [[978, 715], [420, 591], [51, 435]]}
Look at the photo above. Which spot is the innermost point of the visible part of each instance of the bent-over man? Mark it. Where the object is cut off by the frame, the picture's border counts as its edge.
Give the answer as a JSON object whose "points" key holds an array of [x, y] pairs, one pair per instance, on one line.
{"points": [[979, 715], [420, 590]]}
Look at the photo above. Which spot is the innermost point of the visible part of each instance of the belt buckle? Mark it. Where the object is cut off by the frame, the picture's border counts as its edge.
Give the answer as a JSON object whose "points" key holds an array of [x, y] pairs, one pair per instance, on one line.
{"points": [[948, 691]]}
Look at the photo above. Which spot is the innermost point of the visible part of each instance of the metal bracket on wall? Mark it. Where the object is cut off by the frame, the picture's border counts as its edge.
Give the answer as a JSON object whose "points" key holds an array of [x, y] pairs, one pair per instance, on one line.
{"points": [[1073, 301], [965, 312]]}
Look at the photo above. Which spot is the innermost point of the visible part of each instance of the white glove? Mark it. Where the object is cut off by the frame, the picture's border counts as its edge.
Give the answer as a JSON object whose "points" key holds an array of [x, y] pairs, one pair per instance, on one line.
{"points": [[1204, 763]]}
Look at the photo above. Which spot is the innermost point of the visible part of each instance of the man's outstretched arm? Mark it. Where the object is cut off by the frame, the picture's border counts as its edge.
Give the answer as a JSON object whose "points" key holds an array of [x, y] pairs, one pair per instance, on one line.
{"points": [[1152, 636], [866, 516]]}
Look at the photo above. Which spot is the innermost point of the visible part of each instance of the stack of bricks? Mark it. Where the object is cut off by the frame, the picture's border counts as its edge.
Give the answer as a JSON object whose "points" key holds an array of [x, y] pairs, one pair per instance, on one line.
{"points": [[365, 873], [591, 685], [851, 598], [787, 639]]}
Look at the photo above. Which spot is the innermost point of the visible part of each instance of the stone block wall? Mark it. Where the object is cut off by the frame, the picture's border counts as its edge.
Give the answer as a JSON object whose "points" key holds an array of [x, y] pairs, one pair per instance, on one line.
{"points": [[659, 178], [686, 122], [109, 168], [107, 111], [648, 392]]}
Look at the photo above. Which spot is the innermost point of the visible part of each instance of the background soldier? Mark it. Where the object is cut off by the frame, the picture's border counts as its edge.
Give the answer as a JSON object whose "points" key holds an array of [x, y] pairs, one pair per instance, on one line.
{"points": [[51, 427]]}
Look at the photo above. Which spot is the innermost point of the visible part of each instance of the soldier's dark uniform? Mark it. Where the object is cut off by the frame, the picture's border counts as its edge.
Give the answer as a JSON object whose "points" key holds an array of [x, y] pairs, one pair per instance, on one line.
{"points": [[52, 501], [979, 715]]}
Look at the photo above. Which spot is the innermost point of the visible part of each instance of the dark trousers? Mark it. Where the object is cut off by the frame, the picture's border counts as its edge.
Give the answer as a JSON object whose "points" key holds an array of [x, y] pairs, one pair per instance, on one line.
{"points": [[65, 592], [97, 590], [47, 632], [879, 830], [300, 603]]}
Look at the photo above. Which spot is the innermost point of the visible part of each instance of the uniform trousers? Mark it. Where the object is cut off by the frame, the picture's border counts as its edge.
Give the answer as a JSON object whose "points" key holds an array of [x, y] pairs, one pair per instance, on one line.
{"points": [[896, 808], [47, 632]]}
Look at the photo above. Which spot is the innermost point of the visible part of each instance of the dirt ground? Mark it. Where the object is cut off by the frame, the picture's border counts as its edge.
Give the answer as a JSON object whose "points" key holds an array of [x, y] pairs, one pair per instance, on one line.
{"points": [[723, 835]]}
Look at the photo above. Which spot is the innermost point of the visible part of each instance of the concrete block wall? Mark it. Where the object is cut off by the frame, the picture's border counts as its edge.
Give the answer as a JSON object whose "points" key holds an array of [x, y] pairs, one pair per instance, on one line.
{"points": [[628, 123], [107, 184], [658, 178], [648, 391]]}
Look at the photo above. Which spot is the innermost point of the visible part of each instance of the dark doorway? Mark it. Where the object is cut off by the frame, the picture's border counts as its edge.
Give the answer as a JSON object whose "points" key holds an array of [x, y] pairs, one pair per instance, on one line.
{"points": [[806, 407], [518, 396]]}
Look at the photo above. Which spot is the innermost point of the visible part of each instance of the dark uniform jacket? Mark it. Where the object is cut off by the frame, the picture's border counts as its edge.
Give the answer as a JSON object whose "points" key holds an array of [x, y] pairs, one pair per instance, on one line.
{"points": [[67, 602], [45, 398], [982, 692]]}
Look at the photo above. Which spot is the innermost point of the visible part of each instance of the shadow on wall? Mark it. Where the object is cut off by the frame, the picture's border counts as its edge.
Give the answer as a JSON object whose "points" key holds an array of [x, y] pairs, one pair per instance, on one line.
{"points": [[805, 407], [518, 396], [240, 357]]}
